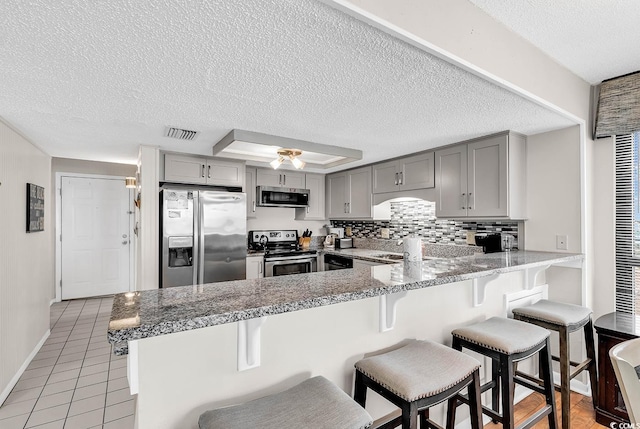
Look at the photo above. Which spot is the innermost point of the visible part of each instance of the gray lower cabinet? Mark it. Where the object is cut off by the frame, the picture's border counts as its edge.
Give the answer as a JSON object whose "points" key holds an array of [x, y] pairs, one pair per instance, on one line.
{"points": [[280, 178], [483, 178], [255, 267], [203, 170], [349, 194], [405, 174], [315, 183]]}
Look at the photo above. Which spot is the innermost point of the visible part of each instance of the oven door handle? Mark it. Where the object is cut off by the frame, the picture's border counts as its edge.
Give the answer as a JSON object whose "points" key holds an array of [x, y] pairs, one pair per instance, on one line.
{"points": [[288, 259]]}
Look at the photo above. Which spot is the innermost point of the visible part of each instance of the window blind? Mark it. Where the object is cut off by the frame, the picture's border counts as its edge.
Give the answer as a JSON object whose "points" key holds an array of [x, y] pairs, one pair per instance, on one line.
{"points": [[627, 224], [619, 106]]}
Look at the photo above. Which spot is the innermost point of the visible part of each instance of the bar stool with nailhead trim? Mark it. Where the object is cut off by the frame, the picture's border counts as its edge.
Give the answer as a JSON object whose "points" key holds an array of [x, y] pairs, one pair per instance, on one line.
{"points": [[418, 376], [565, 319], [506, 342], [314, 403]]}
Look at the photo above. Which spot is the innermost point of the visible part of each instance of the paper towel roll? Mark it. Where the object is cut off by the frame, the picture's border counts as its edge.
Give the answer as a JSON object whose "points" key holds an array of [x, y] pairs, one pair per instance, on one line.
{"points": [[412, 249]]}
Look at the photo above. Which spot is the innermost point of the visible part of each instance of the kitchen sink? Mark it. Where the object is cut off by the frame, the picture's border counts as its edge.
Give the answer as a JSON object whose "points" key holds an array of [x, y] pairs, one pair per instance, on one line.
{"points": [[389, 256]]}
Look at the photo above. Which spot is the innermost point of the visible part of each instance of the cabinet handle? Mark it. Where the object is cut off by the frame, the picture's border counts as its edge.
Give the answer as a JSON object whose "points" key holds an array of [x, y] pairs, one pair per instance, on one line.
{"points": [[260, 268], [396, 182], [254, 207], [344, 209], [284, 181], [280, 179], [348, 207], [464, 207], [401, 178], [209, 172], [202, 170], [307, 209], [469, 201]]}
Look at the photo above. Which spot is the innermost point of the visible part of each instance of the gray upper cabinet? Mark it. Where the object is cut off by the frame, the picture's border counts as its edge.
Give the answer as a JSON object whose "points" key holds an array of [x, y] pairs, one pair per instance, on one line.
{"points": [[483, 178], [250, 190], [349, 194], [280, 178], [405, 174], [203, 170], [315, 183]]}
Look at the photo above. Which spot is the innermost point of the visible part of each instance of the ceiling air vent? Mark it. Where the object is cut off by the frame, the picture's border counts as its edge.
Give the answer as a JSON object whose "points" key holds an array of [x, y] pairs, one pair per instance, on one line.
{"points": [[180, 134]]}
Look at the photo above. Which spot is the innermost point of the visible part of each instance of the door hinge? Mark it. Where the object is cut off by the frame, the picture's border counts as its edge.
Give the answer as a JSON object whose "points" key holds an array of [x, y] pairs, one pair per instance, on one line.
{"points": [[60, 237], [60, 191], [60, 283]]}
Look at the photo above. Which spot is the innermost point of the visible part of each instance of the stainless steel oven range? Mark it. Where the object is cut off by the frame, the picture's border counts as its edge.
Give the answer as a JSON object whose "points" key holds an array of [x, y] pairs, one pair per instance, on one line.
{"points": [[283, 255]]}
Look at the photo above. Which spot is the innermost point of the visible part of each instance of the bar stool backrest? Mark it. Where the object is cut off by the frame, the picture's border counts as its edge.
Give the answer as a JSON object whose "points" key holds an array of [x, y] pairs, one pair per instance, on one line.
{"points": [[625, 357]]}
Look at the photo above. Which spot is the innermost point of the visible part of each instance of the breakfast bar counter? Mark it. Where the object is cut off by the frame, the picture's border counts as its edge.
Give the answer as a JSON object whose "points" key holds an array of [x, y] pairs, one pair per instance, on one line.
{"points": [[138, 315], [194, 348]]}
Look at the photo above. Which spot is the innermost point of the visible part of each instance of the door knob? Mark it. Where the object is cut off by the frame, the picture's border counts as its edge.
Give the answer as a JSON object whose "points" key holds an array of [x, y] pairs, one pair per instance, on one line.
{"points": [[124, 235], [125, 242]]}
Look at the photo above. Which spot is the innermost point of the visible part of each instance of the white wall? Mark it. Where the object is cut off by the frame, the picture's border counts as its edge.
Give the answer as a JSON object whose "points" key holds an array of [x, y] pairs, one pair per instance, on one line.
{"points": [[26, 260]]}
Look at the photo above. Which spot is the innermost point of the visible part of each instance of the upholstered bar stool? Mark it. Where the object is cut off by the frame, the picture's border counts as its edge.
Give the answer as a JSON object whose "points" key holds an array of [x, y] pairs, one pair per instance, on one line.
{"points": [[416, 377], [506, 342], [315, 403], [565, 319]]}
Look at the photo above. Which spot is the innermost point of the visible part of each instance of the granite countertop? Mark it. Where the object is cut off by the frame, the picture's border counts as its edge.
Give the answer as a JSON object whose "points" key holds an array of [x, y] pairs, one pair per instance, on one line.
{"points": [[137, 315]]}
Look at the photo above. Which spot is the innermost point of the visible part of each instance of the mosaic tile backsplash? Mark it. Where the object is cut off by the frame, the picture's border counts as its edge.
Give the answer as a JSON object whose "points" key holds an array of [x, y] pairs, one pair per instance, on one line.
{"points": [[419, 217]]}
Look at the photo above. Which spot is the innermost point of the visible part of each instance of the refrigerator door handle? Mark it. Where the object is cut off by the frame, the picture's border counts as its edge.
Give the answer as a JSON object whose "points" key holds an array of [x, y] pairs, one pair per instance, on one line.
{"points": [[199, 225]]}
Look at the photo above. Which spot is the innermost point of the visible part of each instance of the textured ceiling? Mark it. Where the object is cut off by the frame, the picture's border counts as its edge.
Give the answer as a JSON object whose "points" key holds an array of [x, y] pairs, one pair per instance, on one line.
{"points": [[595, 39], [94, 80]]}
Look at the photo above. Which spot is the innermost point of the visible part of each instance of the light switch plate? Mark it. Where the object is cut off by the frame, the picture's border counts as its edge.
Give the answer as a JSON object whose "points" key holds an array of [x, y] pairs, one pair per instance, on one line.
{"points": [[562, 242], [384, 232]]}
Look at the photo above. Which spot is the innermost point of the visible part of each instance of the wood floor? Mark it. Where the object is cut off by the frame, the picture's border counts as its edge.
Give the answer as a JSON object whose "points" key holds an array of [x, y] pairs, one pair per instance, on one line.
{"points": [[582, 414]]}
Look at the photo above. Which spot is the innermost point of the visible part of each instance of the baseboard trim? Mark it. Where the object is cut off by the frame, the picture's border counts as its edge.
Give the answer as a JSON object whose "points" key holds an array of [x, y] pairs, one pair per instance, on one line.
{"points": [[53, 301], [5, 393]]}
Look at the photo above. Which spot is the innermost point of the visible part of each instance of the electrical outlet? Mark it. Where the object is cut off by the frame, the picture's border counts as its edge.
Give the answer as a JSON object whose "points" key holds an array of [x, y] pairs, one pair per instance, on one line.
{"points": [[384, 232], [562, 242]]}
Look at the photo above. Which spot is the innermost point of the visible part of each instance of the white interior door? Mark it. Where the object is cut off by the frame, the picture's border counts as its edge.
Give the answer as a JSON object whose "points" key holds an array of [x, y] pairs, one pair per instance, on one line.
{"points": [[94, 237]]}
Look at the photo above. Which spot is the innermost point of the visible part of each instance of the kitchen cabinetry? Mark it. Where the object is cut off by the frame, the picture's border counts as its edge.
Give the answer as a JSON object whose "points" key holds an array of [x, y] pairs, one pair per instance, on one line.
{"points": [[250, 190], [405, 174], [349, 194], [315, 183], [482, 178], [289, 179], [203, 170], [255, 267]]}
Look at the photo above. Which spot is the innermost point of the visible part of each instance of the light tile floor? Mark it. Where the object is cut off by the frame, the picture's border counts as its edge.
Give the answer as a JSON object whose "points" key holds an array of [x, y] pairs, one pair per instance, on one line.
{"points": [[74, 382]]}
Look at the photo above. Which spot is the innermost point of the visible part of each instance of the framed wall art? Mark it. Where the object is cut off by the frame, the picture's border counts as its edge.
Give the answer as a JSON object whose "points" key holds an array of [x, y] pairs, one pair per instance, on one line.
{"points": [[35, 208]]}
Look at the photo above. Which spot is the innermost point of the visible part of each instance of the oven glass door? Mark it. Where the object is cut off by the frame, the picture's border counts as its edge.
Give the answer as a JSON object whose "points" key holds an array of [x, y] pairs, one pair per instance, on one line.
{"points": [[286, 267]]}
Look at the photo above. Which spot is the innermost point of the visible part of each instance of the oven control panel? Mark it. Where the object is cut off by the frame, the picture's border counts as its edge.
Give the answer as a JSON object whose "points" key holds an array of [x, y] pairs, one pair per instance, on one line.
{"points": [[274, 236]]}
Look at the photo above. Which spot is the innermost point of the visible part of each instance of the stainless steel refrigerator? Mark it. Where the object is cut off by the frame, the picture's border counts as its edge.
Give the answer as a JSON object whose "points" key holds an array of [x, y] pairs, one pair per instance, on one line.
{"points": [[204, 236]]}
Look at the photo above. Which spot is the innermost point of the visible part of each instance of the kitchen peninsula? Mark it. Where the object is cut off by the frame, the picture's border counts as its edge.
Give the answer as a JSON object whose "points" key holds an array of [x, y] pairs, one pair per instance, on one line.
{"points": [[346, 314]]}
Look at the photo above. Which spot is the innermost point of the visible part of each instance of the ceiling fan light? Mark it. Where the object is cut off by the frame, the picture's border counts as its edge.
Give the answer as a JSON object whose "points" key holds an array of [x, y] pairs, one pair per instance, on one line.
{"points": [[297, 163], [276, 162]]}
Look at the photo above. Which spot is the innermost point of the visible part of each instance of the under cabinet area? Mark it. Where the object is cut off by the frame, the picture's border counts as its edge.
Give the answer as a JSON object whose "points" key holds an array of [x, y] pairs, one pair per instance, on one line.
{"points": [[280, 178], [315, 183], [255, 267], [349, 194], [203, 170], [405, 174], [482, 178]]}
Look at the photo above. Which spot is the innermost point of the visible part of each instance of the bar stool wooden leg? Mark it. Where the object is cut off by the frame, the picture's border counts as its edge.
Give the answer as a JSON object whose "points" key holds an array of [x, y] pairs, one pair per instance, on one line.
{"points": [[565, 376], [475, 402], [591, 354], [547, 378], [495, 392], [507, 385], [360, 390], [410, 415]]}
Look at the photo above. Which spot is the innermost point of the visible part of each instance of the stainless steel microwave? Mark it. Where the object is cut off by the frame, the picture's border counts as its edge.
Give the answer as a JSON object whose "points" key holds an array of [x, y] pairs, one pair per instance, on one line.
{"points": [[272, 196]]}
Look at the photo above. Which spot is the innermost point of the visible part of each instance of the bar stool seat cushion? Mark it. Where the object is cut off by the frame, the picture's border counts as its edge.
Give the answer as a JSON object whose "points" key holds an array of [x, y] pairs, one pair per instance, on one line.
{"points": [[314, 403], [503, 335], [557, 313], [418, 370]]}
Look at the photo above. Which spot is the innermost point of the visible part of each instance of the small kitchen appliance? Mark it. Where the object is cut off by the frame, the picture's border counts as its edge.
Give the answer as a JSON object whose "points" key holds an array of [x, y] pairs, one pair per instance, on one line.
{"points": [[338, 232], [344, 243], [283, 254], [490, 243]]}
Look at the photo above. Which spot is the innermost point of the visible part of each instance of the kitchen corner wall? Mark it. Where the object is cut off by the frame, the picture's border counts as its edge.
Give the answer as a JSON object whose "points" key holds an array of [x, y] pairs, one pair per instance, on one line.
{"points": [[419, 217], [26, 259]]}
